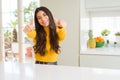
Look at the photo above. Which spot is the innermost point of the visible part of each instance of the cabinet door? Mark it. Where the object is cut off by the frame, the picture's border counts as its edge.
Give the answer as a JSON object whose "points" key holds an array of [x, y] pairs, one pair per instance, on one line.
{"points": [[102, 3], [100, 61]]}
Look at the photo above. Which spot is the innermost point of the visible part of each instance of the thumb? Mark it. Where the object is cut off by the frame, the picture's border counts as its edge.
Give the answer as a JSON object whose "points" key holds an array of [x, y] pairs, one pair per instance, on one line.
{"points": [[56, 21], [32, 22]]}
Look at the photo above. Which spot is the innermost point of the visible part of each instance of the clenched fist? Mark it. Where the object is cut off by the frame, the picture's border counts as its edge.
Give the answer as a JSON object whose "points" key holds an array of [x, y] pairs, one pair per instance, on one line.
{"points": [[28, 27]]}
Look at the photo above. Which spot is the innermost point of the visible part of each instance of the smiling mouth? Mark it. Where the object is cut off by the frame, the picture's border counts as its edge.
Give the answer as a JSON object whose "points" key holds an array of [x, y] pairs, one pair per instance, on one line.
{"points": [[44, 22]]}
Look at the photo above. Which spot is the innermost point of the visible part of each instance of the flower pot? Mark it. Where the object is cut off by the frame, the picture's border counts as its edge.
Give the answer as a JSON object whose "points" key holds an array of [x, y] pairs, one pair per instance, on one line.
{"points": [[29, 51]]}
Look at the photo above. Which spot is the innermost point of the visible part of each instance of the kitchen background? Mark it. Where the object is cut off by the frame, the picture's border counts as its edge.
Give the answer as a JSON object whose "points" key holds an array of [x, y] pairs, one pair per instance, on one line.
{"points": [[81, 16]]}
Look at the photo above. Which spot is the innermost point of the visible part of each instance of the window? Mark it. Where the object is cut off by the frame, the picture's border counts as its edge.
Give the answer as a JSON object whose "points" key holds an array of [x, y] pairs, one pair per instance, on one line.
{"points": [[10, 43], [9, 26], [105, 20], [98, 21]]}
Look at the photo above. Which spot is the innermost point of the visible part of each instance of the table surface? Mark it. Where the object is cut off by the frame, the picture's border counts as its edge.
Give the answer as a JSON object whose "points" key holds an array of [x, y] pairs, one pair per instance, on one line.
{"points": [[29, 71]]}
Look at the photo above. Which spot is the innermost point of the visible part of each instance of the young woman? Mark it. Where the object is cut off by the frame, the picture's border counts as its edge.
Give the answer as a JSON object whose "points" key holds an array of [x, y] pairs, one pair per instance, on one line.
{"points": [[47, 35]]}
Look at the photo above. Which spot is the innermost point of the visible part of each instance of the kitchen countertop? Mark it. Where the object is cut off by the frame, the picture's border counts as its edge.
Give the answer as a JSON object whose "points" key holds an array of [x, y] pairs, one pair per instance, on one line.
{"points": [[113, 51], [28, 71]]}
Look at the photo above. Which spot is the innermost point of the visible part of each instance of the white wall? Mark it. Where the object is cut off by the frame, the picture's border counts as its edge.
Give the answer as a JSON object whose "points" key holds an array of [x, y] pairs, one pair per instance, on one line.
{"points": [[102, 3], [84, 25], [69, 11]]}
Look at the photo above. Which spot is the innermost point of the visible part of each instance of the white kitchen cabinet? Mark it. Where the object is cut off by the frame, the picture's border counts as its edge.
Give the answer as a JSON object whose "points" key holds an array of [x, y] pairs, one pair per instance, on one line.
{"points": [[102, 4], [100, 61]]}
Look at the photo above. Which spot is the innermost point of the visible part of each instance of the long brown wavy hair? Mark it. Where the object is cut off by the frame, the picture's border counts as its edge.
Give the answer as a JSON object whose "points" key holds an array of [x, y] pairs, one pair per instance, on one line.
{"points": [[40, 46]]}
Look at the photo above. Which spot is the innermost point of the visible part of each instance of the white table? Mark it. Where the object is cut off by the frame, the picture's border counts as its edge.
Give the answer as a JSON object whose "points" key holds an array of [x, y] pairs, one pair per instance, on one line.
{"points": [[27, 71]]}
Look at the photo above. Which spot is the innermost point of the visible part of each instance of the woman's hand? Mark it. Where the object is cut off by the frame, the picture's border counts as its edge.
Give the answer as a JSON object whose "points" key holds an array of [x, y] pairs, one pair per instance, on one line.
{"points": [[60, 23], [28, 27]]}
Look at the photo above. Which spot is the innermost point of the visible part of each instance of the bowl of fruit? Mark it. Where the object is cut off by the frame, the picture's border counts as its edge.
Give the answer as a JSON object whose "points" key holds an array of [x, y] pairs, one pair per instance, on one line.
{"points": [[99, 42]]}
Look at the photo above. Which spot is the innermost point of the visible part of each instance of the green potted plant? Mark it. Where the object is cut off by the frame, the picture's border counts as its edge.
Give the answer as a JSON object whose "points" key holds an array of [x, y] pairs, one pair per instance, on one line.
{"points": [[14, 24], [117, 35], [7, 39], [105, 32]]}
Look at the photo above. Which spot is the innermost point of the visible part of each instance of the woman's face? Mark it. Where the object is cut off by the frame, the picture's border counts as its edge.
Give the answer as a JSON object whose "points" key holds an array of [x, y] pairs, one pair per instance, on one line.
{"points": [[43, 19]]}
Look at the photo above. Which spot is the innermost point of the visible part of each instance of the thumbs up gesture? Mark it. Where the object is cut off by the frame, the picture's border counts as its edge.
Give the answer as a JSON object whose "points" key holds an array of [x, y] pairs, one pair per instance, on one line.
{"points": [[60, 23], [28, 27]]}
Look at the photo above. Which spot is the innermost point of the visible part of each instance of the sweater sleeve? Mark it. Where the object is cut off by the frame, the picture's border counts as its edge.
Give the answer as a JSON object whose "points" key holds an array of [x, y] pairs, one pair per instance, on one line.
{"points": [[32, 34], [61, 33]]}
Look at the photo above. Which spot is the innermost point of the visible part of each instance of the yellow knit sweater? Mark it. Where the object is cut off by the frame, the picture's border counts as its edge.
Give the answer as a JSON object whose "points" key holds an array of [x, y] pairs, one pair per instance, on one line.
{"points": [[50, 55]]}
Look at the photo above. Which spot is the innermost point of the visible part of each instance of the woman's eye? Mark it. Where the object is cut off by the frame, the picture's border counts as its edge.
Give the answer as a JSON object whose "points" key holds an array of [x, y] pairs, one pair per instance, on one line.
{"points": [[38, 18], [44, 14]]}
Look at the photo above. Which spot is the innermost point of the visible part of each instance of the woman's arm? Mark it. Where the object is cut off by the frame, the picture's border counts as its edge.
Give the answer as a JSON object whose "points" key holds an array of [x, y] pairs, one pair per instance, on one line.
{"points": [[29, 30], [61, 29]]}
